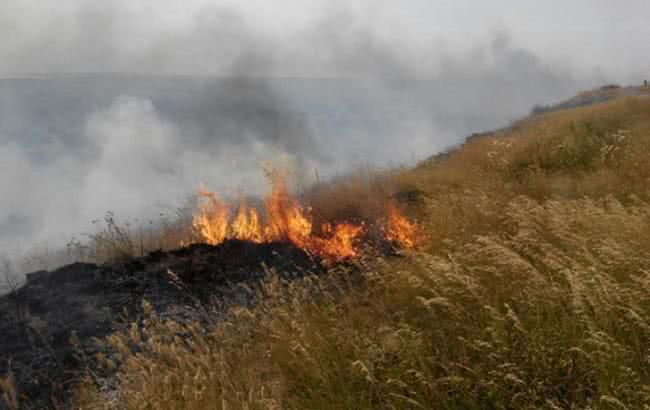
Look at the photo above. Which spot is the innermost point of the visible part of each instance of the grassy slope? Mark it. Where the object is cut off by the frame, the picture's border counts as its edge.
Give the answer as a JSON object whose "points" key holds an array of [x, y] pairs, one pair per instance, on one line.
{"points": [[531, 291]]}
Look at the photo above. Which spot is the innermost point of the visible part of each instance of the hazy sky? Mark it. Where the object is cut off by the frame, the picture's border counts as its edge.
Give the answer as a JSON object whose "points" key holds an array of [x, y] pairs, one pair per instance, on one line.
{"points": [[199, 36], [73, 147]]}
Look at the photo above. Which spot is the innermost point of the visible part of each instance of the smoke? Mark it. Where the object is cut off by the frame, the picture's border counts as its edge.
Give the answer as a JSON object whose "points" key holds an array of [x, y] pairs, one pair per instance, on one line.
{"points": [[242, 111], [135, 162], [208, 96]]}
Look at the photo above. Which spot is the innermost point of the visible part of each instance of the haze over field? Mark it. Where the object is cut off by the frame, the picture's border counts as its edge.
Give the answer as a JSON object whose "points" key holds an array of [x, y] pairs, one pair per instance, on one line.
{"points": [[206, 91]]}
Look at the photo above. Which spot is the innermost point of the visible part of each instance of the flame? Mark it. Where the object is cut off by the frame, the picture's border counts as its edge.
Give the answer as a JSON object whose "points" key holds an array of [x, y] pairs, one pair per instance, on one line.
{"points": [[285, 219], [340, 239], [400, 229], [246, 225], [212, 220]]}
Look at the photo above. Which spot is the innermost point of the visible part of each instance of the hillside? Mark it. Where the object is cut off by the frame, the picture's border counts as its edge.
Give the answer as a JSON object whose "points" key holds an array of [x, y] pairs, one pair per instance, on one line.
{"points": [[596, 96], [528, 290], [169, 133]]}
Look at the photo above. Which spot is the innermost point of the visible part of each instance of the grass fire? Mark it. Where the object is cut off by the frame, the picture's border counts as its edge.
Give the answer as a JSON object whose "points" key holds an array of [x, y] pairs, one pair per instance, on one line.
{"points": [[324, 205], [285, 219], [525, 286]]}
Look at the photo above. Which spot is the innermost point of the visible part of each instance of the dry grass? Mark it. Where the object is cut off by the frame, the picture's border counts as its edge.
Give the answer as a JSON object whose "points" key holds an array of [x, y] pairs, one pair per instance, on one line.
{"points": [[116, 240], [533, 292], [360, 195], [9, 391]]}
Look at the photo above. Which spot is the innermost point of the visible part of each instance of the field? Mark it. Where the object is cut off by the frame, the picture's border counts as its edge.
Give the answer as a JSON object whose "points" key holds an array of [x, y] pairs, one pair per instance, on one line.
{"points": [[530, 289]]}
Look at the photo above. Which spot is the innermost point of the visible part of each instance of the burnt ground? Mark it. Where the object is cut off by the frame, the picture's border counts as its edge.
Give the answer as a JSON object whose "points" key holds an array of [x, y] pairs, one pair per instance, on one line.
{"points": [[87, 300]]}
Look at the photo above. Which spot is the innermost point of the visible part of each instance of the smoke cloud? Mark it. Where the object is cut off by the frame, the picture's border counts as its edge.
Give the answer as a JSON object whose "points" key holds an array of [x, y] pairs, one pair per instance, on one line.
{"points": [[128, 106]]}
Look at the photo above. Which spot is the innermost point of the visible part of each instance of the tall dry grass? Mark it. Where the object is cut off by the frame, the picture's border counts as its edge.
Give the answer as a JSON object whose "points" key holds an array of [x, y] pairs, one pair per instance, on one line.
{"points": [[113, 239], [532, 292], [118, 240]]}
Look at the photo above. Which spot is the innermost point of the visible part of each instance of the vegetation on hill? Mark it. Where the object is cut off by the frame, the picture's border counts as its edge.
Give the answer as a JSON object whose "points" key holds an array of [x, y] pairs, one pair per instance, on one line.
{"points": [[595, 96], [530, 290]]}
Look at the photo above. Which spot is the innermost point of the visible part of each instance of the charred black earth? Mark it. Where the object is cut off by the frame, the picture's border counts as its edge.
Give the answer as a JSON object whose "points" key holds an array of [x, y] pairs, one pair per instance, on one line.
{"points": [[86, 300]]}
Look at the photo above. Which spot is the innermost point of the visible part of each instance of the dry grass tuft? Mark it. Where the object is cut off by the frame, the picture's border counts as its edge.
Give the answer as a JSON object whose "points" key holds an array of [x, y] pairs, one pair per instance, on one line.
{"points": [[9, 391]]}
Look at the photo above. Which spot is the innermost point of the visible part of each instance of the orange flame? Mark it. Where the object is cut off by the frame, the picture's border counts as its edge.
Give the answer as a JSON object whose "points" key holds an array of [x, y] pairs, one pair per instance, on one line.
{"points": [[212, 220], [285, 219], [340, 239], [246, 225], [400, 229]]}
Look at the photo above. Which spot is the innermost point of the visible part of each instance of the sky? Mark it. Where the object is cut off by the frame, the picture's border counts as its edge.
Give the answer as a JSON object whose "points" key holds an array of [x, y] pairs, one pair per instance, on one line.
{"points": [[219, 91], [199, 36]]}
